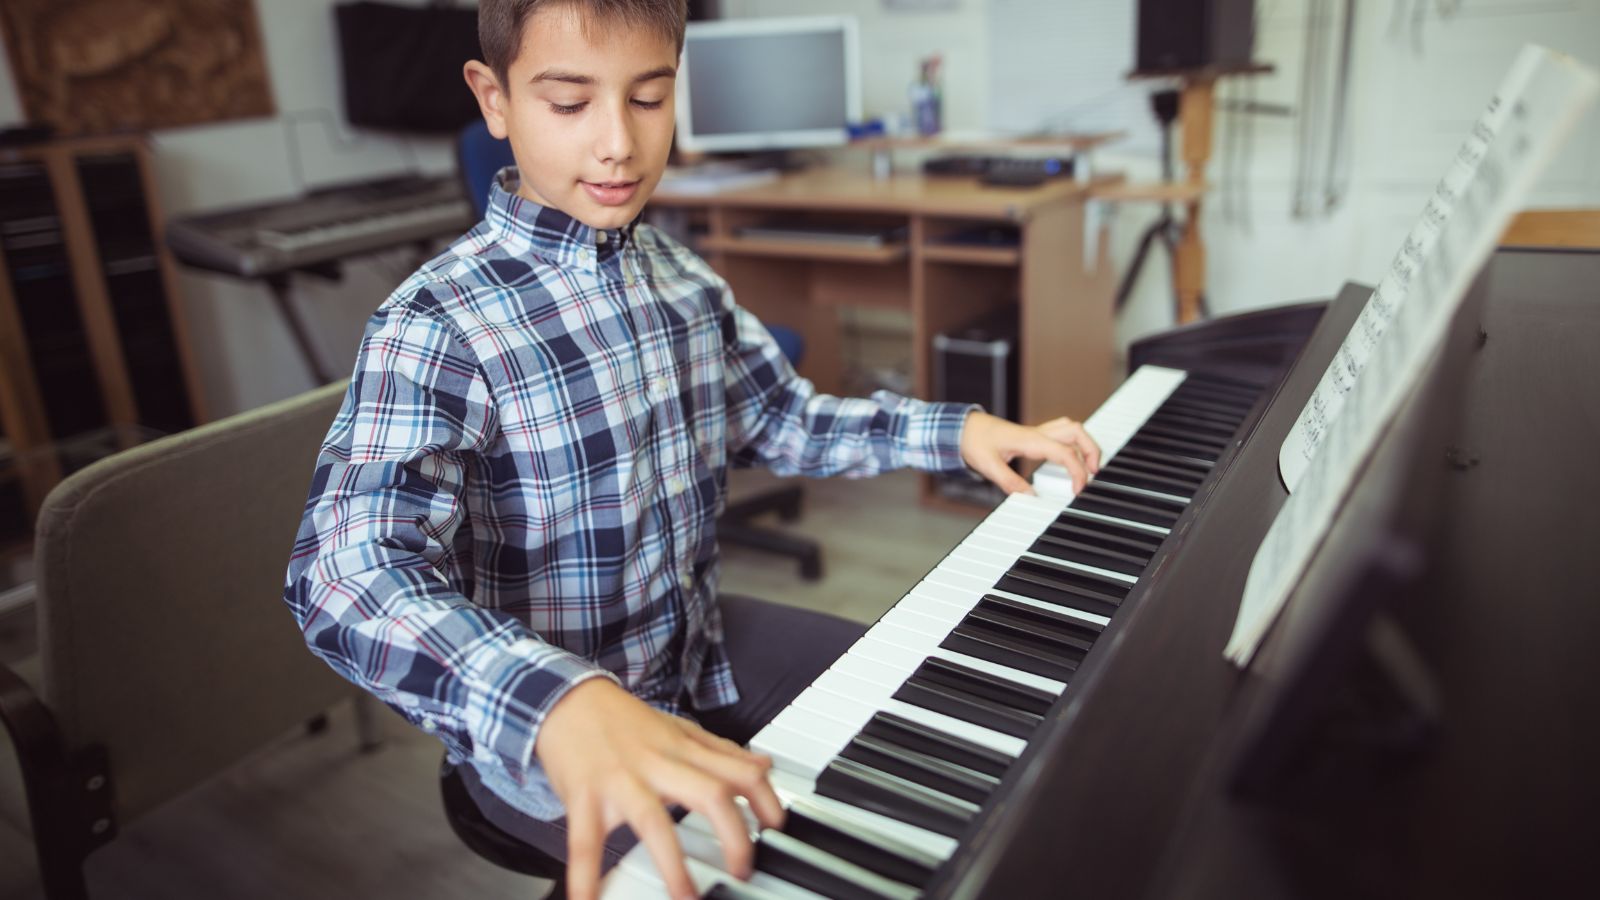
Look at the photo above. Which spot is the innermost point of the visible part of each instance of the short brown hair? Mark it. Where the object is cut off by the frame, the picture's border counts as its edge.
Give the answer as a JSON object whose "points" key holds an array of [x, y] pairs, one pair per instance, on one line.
{"points": [[500, 23]]}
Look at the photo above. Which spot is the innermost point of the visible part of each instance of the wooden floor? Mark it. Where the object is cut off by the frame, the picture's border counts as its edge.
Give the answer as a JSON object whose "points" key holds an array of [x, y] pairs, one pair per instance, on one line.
{"points": [[314, 818]]}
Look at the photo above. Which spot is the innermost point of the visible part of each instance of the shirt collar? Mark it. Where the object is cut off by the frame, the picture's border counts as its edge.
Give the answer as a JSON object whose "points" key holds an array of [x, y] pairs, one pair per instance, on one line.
{"points": [[523, 225]]}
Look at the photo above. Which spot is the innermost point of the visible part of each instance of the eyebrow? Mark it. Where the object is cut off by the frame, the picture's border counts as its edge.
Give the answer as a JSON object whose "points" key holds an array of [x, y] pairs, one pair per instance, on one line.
{"points": [[575, 78]]}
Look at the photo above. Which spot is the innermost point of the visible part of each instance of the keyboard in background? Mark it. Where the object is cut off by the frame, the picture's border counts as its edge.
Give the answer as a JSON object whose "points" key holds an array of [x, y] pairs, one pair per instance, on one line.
{"points": [[322, 226]]}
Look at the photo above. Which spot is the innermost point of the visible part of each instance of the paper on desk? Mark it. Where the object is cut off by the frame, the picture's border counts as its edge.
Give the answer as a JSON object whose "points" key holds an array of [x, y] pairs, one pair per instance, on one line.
{"points": [[1500, 123], [1528, 118]]}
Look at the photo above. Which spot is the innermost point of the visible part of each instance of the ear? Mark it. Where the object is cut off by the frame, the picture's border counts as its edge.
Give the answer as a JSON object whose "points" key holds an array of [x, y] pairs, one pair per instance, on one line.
{"points": [[492, 100]]}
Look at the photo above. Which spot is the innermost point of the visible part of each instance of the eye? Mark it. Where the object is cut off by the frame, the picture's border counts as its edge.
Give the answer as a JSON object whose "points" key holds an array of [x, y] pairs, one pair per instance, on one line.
{"points": [[573, 109], [648, 104]]}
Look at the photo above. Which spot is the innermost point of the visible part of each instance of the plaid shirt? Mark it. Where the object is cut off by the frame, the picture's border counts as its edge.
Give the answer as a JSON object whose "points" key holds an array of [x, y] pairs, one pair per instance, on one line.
{"points": [[520, 490]]}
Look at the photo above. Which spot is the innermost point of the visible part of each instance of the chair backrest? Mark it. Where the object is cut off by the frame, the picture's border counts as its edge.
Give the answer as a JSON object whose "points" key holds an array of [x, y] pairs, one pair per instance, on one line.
{"points": [[479, 155], [160, 579]]}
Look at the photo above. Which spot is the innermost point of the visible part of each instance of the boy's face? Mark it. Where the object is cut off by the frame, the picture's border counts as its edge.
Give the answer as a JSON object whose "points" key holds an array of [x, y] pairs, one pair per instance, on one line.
{"points": [[589, 117]]}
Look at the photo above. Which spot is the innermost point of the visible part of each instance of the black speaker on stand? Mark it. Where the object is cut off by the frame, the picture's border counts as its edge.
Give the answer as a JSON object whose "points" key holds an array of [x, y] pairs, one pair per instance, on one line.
{"points": [[1191, 34]]}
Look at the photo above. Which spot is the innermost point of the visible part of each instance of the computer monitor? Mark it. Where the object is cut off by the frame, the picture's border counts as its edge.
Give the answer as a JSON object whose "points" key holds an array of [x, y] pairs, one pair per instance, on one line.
{"points": [[768, 84]]}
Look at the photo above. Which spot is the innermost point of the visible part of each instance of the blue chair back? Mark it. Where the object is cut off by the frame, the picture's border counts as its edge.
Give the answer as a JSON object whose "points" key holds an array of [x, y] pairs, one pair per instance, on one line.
{"points": [[479, 155]]}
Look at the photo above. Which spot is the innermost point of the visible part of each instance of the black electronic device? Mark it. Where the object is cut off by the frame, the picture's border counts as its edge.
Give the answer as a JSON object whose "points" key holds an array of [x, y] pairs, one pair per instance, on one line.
{"points": [[1001, 170], [1192, 34], [978, 364]]}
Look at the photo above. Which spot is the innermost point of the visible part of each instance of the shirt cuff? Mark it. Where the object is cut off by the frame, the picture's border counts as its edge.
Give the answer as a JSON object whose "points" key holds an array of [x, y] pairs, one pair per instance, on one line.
{"points": [[928, 434], [512, 697]]}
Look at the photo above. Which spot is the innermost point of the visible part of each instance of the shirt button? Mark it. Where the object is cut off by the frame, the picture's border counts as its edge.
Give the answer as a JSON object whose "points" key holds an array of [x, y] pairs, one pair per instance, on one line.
{"points": [[429, 724], [583, 255], [600, 237], [676, 484], [687, 580]]}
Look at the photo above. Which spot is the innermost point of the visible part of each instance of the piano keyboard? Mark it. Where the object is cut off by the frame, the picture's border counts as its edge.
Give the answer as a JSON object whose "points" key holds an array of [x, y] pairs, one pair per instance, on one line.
{"points": [[888, 757]]}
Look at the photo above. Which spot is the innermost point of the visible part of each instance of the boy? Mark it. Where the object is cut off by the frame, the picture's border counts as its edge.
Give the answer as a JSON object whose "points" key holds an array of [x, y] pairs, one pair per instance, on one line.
{"points": [[511, 532]]}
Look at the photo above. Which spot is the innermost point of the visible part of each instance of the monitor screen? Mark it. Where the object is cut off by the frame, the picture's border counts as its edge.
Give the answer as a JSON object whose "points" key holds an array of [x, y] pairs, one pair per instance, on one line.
{"points": [[768, 84]]}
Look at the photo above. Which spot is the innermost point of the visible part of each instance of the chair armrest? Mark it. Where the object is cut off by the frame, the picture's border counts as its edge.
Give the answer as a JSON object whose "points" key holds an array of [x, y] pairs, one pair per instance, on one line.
{"points": [[33, 731]]}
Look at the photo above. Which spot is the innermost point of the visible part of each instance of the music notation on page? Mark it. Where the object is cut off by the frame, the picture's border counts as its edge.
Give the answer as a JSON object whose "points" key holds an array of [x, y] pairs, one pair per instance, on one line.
{"points": [[1403, 325]]}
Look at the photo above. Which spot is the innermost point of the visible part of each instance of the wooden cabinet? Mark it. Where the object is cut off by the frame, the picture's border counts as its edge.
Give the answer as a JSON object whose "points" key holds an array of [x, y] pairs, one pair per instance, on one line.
{"points": [[937, 272], [93, 351]]}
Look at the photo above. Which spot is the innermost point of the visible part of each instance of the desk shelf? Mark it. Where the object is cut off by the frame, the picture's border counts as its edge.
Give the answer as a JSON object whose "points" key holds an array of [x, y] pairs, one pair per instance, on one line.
{"points": [[816, 250], [972, 256]]}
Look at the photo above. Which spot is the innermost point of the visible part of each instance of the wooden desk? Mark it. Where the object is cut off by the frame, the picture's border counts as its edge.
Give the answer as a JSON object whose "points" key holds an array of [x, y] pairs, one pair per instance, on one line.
{"points": [[1067, 351]]}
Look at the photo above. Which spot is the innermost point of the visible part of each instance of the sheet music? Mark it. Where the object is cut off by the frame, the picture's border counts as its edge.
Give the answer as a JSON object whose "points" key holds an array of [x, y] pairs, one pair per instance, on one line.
{"points": [[1322, 409], [1536, 106]]}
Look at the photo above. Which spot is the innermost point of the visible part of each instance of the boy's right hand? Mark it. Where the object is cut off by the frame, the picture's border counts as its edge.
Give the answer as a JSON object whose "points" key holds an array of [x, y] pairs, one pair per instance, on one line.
{"points": [[614, 759]]}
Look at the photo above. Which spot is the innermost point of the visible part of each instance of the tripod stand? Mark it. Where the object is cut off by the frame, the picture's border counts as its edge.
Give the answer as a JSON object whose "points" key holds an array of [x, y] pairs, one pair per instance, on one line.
{"points": [[1165, 229]]}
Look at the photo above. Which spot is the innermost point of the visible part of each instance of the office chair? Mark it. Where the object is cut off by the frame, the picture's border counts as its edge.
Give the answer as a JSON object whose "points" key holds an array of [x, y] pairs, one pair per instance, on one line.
{"points": [[167, 654], [480, 155]]}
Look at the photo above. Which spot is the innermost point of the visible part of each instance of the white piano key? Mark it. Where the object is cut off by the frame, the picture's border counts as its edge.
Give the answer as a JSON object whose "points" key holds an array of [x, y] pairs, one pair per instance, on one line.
{"points": [[1156, 530], [859, 665], [792, 790], [795, 750], [842, 868], [1142, 492], [700, 844], [1064, 610], [1081, 567], [828, 696], [895, 647]]}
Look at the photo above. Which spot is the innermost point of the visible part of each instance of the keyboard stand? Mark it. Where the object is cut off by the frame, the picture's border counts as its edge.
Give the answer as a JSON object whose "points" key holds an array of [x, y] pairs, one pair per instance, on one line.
{"points": [[278, 284]]}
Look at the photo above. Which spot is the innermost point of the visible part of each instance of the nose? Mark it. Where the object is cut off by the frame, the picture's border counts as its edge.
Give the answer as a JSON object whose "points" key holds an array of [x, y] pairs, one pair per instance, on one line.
{"points": [[615, 144]]}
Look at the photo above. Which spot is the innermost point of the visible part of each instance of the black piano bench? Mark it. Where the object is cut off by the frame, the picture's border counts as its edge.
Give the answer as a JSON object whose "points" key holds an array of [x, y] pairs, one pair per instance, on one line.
{"points": [[735, 527], [485, 839]]}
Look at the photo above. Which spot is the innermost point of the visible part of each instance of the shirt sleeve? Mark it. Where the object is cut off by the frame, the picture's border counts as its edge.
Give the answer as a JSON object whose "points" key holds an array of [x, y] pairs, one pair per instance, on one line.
{"points": [[777, 419], [370, 580]]}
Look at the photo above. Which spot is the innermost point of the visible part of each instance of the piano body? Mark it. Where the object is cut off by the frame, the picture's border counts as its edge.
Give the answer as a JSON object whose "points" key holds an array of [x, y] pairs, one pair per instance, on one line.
{"points": [[1039, 717]]}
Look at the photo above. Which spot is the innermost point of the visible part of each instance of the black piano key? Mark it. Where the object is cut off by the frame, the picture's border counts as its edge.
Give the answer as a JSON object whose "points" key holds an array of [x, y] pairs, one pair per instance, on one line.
{"points": [[1137, 476], [867, 850], [1165, 458], [937, 744], [799, 863], [1106, 535], [1062, 626], [1222, 412], [1063, 639], [1216, 419], [1161, 503], [1020, 697], [1178, 421], [967, 707], [850, 782], [1120, 507], [1029, 580], [886, 756], [1008, 650], [1077, 551], [1187, 435], [1186, 449], [1215, 393], [722, 890]]}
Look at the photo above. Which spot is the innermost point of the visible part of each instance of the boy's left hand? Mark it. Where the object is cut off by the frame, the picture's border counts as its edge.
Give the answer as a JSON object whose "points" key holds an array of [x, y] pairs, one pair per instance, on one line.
{"points": [[990, 443]]}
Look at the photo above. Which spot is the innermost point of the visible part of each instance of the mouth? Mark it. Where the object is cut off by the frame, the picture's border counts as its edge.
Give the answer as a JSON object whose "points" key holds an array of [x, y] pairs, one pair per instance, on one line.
{"points": [[611, 193]]}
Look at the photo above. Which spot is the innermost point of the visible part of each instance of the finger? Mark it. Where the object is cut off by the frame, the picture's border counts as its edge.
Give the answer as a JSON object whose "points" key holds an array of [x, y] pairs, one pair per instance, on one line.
{"points": [[1068, 431], [586, 840], [747, 774], [712, 798], [994, 469], [1086, 445], [648, 818], [1066, 455]]}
